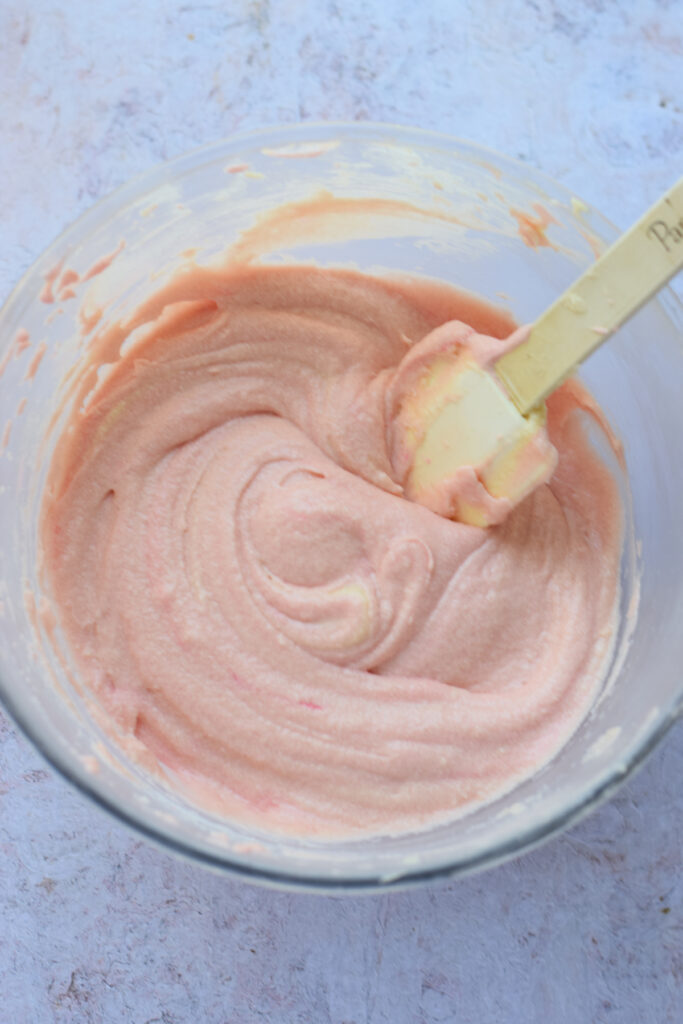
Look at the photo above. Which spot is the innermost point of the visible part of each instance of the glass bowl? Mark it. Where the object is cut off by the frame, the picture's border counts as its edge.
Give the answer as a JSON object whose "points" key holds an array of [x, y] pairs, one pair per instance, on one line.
{"points": [[493, 226]]}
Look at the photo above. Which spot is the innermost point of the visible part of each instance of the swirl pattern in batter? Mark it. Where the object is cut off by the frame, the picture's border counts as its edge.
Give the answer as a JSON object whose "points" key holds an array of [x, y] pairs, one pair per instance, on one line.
{"points": [[255, 605]]}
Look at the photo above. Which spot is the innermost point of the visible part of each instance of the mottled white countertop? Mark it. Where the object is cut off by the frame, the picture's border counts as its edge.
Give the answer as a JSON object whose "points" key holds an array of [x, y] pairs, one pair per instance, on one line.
{"points": [[97, 926]]}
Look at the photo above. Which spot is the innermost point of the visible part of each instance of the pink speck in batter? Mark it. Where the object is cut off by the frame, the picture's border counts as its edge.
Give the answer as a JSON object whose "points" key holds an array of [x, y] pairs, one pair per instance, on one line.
{"points": [[532, 229], [47, 294], [36, 361], [22, 340], [65, 287], [105, 261]]}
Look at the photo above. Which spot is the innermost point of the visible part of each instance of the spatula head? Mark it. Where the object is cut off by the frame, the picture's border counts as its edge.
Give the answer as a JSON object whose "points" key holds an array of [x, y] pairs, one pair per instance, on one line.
{"points": [[466, 451]]}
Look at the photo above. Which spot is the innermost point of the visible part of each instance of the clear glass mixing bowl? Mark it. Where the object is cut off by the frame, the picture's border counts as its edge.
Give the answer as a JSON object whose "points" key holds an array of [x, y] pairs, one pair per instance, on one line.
{"points": [[481, 207]]}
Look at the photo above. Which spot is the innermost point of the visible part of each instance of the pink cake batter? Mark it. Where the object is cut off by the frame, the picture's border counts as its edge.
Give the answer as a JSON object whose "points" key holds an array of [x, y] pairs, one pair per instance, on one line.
{"points": [[259, 611]]}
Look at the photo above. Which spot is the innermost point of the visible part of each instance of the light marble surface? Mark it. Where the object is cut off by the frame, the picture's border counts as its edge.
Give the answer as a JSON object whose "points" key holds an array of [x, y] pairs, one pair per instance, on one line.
{"points": [[96, 926]]}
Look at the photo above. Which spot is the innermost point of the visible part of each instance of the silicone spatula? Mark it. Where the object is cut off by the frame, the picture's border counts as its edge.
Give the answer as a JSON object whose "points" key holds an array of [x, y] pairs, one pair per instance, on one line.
{"points": [[485, 424]]}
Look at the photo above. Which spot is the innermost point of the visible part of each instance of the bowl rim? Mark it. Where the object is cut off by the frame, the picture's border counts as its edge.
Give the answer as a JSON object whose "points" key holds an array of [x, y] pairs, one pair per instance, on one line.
{"points": [[525, 839]]}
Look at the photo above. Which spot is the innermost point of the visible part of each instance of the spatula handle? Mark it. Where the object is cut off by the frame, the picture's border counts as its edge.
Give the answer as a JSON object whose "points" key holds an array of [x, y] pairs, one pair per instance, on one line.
{"points": [[611, 291]]}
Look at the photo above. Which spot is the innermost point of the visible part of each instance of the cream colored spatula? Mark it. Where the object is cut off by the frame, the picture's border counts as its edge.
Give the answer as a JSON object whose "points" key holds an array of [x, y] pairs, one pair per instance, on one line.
{"points": [[482, 428]]}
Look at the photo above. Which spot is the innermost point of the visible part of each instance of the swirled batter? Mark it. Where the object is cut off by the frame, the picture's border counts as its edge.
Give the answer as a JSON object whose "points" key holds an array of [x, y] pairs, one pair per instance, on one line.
{"points": [[256, 606]]}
